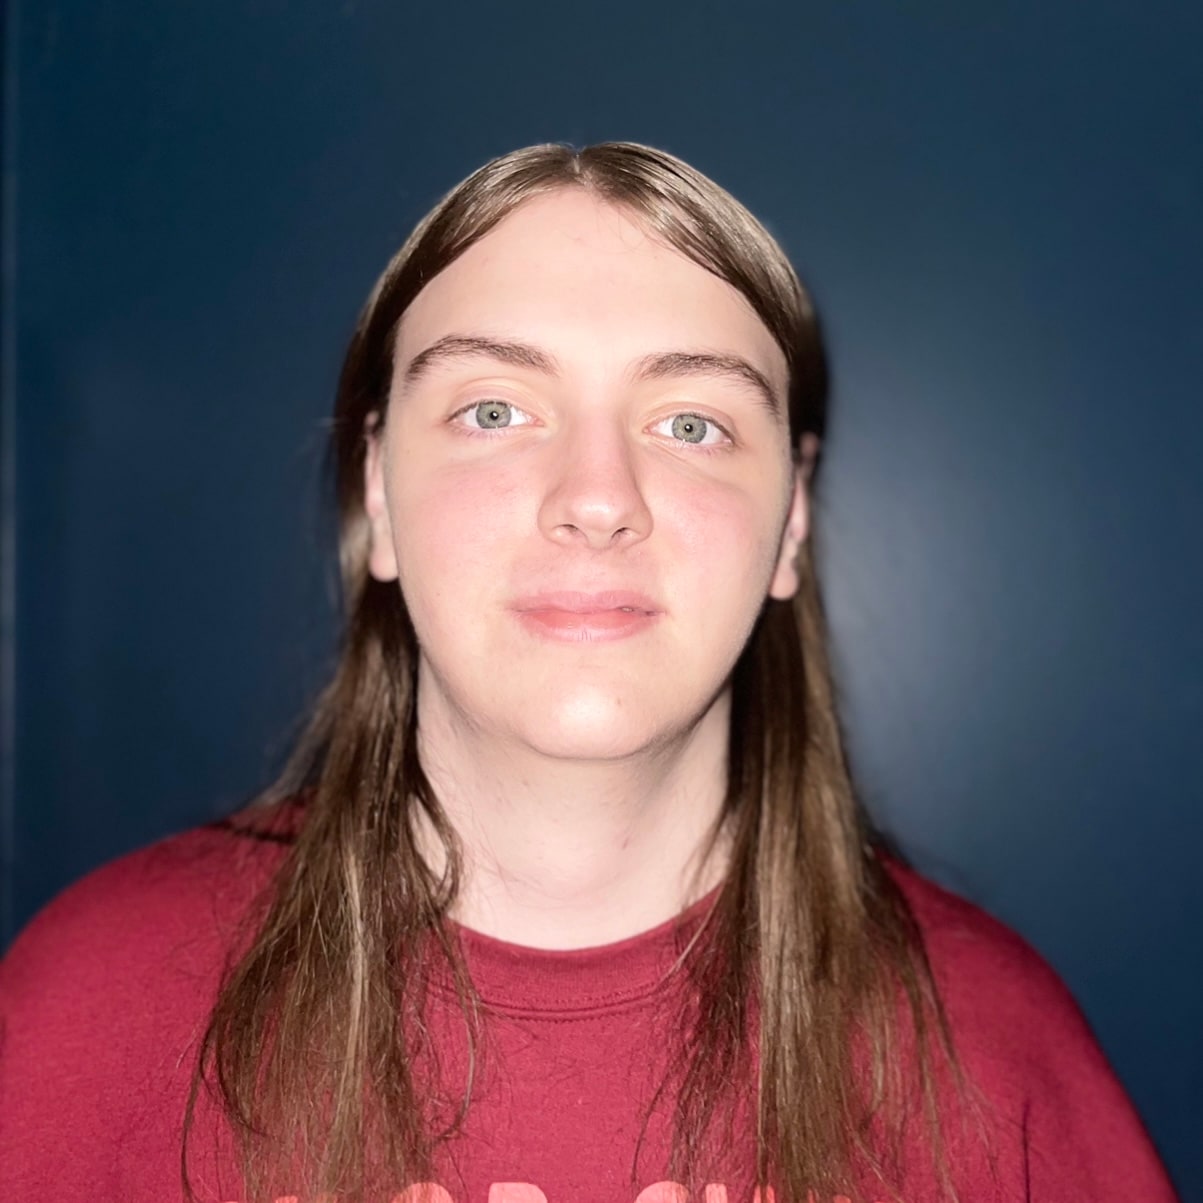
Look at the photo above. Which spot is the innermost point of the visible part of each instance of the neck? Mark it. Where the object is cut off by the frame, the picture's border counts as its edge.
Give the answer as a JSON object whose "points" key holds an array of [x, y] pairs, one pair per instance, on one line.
{"points": [[567, 853]]}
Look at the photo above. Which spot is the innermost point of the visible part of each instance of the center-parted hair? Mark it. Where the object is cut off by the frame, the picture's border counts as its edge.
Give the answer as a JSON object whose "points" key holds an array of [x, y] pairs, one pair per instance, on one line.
{"points": [[808, 981]]}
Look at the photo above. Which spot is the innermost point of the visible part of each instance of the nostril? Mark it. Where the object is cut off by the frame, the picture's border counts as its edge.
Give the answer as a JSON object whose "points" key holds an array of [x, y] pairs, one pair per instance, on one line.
{"points": [[604, 513]]}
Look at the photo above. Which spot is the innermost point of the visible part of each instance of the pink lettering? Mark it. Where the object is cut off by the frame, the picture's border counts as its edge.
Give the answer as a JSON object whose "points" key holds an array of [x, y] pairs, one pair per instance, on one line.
{"points": [[528, 1192], [515, 1192], [663, 1192], [423, 1192]]}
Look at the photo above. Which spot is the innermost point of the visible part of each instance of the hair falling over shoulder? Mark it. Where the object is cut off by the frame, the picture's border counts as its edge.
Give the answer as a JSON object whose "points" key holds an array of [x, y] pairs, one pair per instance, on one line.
{"points": [[811, 970]]}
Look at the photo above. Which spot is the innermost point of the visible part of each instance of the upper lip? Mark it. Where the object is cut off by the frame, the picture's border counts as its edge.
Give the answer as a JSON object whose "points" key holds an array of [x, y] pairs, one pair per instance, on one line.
{"points": [[574, 602]]}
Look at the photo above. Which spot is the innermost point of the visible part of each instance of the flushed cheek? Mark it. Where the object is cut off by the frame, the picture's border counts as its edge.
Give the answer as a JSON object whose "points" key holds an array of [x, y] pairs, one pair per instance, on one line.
{"points": [[449, 528], [460, 530], [725, 531]]}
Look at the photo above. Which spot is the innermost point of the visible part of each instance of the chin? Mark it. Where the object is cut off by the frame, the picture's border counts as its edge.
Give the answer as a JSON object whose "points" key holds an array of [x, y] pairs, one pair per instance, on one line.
{"points": [[591, 727]]}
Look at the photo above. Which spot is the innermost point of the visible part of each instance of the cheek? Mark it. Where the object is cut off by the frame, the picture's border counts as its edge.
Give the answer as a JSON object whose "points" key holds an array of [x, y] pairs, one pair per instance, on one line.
{"points": [[447, 527], [461, 531], [727, 540], [728, 532]]}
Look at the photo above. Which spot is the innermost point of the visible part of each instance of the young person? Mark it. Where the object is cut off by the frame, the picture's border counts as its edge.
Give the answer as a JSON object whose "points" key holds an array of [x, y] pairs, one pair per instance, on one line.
{"points": [[566, 895]]}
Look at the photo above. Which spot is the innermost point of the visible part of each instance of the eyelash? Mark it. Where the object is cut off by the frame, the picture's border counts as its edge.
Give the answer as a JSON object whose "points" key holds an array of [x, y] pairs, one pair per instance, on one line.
{"points": [[703, 448], [489, 432], [493, 432]]}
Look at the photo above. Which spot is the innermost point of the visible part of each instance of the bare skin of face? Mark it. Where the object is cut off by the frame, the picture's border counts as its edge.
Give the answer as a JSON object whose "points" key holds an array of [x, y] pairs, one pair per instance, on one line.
{"points": [[585, 488]]}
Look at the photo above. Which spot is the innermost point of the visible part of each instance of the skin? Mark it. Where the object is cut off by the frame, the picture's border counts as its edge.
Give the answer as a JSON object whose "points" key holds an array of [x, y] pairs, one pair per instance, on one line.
{"points": [[581, 759]]}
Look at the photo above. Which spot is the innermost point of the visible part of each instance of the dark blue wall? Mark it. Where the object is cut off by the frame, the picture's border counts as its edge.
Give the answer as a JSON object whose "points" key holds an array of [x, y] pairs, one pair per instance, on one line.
{"points": [[999, 208]]}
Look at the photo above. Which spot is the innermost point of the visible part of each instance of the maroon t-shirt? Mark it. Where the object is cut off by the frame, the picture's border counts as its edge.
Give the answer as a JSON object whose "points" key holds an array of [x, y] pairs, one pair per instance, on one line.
{"points": [[104, 997]]}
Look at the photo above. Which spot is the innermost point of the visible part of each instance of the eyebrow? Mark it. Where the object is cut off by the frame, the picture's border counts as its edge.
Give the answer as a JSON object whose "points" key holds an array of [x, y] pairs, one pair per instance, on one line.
{"points": [[663, 365], [659, 365], [466, 346]]}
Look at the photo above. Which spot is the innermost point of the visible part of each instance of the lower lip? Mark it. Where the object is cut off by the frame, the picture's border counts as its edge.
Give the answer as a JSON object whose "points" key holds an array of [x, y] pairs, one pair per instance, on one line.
{"points": [[572, 626]]}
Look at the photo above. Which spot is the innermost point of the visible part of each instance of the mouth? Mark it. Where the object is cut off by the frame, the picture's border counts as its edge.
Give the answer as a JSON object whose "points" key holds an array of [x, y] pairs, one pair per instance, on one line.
{"points": [[586, 617]]}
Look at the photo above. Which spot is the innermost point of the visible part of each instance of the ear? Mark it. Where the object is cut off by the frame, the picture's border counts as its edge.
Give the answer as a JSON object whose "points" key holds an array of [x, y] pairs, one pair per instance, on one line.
{"points": [[382, 555], [785, 580]]}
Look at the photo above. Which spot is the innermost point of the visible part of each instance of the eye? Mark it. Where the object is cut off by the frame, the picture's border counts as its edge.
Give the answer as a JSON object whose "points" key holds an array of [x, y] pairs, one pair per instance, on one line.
{"points": [[492, 415], [692, 428]]}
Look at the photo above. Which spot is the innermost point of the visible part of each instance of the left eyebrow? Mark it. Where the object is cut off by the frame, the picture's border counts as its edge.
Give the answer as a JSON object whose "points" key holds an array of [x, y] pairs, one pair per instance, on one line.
{"points": [[663, 365], [454, 347]]}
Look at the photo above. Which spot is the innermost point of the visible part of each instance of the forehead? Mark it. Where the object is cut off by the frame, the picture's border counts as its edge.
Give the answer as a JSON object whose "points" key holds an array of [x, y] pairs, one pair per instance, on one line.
{"points": [[591, 283]]}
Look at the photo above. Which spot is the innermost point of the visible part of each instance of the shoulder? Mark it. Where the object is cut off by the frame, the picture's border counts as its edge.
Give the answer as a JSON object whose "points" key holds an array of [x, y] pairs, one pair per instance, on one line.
{"points": [[145, 936], [1004, 1001], [979, 961], [183, 893], [1027, 1050], [104, 998]]}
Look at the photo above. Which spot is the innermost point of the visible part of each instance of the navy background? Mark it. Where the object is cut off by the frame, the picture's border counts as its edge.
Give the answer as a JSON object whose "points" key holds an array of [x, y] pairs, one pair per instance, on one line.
{"points": [[998, 208]]}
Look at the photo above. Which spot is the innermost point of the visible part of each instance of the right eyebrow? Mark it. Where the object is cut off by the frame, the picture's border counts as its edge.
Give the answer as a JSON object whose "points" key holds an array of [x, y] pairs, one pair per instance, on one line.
{"points": [[460, 346]]}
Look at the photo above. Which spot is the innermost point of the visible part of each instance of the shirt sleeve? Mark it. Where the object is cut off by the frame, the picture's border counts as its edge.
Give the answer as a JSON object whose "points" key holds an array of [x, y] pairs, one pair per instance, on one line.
{"points": [[103, 1001], [1054, 1119]]}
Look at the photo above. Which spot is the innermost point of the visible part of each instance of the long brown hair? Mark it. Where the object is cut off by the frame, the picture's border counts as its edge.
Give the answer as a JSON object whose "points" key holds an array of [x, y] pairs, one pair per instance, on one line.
{"points": [[316, 1047]]}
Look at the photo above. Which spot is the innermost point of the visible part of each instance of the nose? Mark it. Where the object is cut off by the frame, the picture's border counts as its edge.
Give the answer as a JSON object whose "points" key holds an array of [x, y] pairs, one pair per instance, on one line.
{"points": [[594, 497]]}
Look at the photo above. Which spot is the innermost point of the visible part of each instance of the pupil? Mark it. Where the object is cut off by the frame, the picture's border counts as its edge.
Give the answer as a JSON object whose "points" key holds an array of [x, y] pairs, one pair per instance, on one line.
{"points": [[491, 414], [689, 428]]}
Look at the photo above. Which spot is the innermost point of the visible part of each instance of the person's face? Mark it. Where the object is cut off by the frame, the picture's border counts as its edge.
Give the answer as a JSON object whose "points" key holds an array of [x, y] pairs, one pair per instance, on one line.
{"points": [[581, 484]]}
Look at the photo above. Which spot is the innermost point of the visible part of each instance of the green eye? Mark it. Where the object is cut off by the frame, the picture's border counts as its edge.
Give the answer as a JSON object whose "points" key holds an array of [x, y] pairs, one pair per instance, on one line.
{"points": [[490, 415], [690, 428]]}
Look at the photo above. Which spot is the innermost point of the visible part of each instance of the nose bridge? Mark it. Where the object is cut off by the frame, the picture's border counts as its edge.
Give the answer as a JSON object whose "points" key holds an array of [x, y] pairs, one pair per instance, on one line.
{"points": [[595, 493]]}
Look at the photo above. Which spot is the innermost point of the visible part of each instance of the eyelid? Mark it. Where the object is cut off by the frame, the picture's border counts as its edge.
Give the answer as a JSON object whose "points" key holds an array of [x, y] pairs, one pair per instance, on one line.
{"points": [[471, 405], [726, 441]]}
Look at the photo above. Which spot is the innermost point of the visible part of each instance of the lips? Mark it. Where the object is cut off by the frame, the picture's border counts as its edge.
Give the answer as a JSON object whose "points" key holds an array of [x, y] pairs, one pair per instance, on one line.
{"points": [[586, 617]]}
